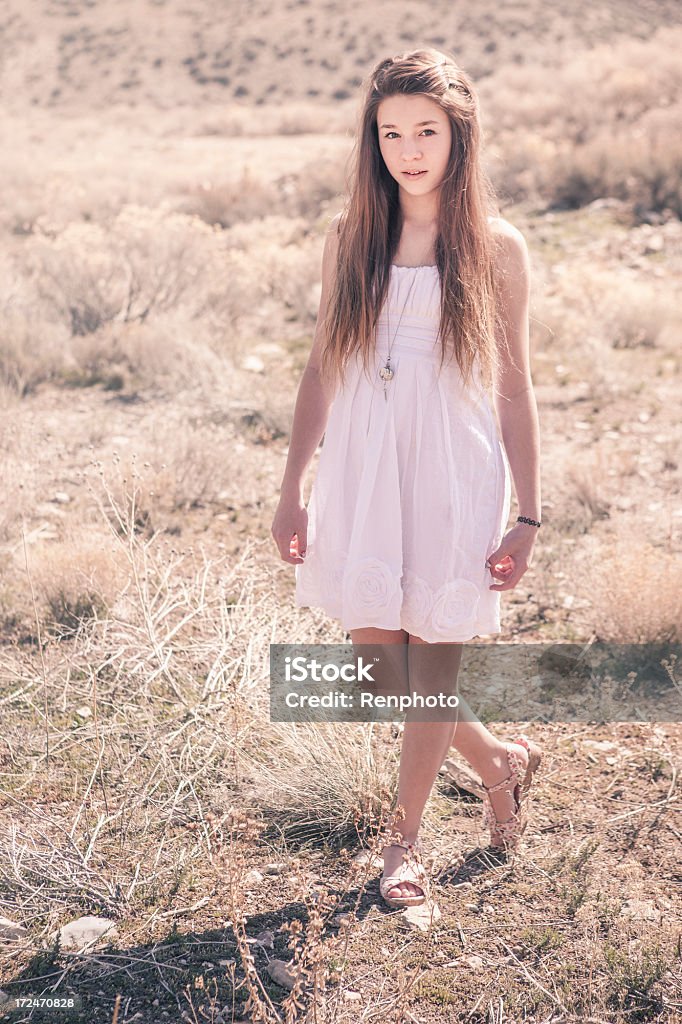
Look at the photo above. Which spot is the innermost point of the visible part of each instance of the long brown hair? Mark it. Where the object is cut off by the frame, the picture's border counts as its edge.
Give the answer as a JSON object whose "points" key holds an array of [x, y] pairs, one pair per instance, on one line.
{"points": [[370, 225]]}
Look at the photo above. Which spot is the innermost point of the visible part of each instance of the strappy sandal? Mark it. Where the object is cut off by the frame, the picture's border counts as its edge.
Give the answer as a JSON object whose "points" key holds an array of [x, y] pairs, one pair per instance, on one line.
{"points": [[506, 835], [411, 870]]}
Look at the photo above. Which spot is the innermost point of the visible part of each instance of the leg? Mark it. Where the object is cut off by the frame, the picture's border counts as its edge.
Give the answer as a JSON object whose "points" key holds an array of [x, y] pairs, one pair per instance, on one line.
{"points": [[486, 755], [432, 668]]}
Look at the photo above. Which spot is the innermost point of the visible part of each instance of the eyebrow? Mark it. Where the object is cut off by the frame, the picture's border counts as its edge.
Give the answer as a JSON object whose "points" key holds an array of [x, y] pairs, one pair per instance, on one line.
{"points": [[419, 124]]}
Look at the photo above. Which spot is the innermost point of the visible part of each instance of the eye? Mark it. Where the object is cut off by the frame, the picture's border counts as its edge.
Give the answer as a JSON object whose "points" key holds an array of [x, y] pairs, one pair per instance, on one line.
{"points": [[388, 134]]}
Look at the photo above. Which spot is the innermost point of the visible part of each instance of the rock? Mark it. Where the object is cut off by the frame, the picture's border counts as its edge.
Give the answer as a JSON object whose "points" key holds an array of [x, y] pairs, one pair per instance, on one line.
{"points": [[10, 932], [84, 930], [641, 910], [266, 939], [253, 363], [473, 961], [461, 777], [655, 243], [275, 868], [3, 997], [352, 997], [84, 712], [282, 973], [562, 658], [254, 877], [61, 497], [602, 745], [365, 857], [422, 917]]}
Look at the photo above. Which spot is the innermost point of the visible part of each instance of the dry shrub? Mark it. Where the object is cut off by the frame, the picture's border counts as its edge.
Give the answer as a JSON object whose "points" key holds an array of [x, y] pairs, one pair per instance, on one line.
{"points": [[285, 264], [632, 588], [228, 203], [18, 483], [586, 482], [32, 350], [647, 173], [145, 262], [167, 351], [603, 124], [303, 193], [290, 118], [319, 782], [76, 579], [593, 309]]}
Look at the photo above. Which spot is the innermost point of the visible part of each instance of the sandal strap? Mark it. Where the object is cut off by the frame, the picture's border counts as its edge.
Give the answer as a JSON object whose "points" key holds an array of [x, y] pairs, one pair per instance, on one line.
{"points": [[416, 845], [516, 775], [409, 870]]}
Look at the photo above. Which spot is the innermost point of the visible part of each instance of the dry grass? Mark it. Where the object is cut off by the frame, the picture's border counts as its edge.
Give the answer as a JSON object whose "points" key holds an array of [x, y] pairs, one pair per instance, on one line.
{"points": [[159, 288]]}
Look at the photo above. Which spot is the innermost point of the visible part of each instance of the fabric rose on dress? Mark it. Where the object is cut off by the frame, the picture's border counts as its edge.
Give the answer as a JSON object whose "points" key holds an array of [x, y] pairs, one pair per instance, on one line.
{"points": [[454, 607], [417, 599], [370, 586]]}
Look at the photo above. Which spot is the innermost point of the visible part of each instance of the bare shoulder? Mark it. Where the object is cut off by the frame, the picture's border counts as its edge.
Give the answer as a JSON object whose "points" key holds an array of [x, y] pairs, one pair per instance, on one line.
{"points": [[511, 242]]}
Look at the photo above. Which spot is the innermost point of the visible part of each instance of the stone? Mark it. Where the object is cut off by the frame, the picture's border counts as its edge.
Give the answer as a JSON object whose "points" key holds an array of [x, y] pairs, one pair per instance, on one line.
{"points": [[641, 910], [254, 364], [79, 933], [266, 939], [10, 932], [422, 917], [282, 973]]}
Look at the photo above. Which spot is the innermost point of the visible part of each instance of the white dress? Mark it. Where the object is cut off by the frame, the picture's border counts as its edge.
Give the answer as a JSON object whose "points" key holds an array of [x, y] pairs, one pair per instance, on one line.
{"points": [[411, 493]]}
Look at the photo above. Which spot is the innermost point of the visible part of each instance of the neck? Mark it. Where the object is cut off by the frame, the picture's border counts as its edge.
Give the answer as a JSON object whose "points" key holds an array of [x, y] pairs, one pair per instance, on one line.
{"points": [[420, 213]]}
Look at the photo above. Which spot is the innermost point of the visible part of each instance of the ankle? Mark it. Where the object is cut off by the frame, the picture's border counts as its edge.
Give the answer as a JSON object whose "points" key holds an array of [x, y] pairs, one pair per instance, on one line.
{"points": [[407, 834], [496, 767]]}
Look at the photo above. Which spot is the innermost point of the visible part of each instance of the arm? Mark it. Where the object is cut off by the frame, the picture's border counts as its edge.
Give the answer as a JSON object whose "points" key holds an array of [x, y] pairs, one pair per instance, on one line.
{"points": [[311, 414], [513, 396]]}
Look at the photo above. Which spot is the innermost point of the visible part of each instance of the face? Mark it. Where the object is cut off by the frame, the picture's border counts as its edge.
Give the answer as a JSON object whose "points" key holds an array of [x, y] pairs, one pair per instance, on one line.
{"points": [[407, 145]]}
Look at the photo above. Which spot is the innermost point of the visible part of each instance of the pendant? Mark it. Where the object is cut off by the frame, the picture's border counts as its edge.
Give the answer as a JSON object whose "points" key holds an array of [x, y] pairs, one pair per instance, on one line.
{"points": [[386, 373]]}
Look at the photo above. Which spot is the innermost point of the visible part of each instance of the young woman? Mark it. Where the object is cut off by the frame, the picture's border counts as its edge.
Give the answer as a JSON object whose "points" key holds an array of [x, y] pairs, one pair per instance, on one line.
{"points": [[424, 305]]}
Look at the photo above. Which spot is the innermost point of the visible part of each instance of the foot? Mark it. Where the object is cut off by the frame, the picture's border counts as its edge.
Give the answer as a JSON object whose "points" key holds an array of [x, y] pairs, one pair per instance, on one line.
{"points": [[503, 802], [393, 858]]}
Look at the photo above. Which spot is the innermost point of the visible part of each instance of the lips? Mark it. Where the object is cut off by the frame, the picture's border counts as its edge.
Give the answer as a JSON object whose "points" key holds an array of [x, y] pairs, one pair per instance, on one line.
{"points": [[412, 174]]}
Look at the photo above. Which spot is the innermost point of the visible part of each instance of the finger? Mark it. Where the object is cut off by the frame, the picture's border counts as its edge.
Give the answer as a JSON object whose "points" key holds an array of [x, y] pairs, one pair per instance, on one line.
{"points": [[293, 559], [508, 585]]}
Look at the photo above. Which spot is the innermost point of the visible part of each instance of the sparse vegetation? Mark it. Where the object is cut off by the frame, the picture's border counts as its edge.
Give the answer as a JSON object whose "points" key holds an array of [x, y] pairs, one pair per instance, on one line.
{"points": [[161, 276]]}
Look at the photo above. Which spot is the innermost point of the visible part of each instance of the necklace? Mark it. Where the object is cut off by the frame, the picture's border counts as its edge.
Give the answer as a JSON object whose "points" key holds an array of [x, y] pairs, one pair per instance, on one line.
{"points": [[386, 372]]}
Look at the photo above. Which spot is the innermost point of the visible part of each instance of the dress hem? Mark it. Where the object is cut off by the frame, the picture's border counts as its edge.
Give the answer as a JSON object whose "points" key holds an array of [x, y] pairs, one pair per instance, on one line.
{"points": [[478, 631]]}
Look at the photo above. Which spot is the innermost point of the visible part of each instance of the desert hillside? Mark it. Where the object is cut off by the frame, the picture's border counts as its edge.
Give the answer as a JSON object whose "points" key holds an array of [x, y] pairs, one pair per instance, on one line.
{"points": [[169, 171], [67, 56]]}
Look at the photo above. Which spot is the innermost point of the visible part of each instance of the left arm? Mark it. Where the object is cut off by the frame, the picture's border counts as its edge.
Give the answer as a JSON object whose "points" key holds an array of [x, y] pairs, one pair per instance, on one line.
{"points": [[513, 395]]}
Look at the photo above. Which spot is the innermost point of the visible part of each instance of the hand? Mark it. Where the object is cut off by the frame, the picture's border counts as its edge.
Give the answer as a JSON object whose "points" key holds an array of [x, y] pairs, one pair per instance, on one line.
{"points": [[513, 556], [290, 529]]}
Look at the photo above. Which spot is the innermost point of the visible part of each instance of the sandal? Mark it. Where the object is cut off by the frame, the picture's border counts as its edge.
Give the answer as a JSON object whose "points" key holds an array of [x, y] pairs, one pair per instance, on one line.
{"points": [[411, 870], [506, 835]]}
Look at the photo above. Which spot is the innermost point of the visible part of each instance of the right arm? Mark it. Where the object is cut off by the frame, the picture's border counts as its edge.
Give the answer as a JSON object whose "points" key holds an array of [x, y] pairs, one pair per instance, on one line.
{"points": [[311, 413]]}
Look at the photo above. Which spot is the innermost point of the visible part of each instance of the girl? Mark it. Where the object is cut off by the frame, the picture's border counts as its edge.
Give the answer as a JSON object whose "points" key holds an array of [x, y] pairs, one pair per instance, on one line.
{"points": [[424, 305]]}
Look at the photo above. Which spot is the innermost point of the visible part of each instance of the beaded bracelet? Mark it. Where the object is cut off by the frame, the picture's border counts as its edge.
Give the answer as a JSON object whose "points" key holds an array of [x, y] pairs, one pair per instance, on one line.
{"points": [[525, 519]]}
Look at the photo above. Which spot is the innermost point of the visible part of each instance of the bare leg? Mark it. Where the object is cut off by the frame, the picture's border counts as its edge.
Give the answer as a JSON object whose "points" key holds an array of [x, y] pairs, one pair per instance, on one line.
{"points": [[432, 668], [486, 755]]}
